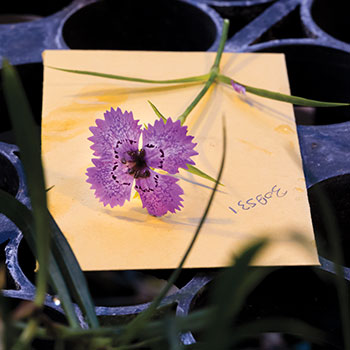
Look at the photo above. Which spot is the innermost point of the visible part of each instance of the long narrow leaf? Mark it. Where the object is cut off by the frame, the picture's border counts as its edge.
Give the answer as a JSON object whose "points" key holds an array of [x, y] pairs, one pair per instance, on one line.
{"points": [[190, 168], [193, 79], [135, 326], [281, 97], [59, 285], [156, 111], [225, 294], [172, 335], [228, 294], [195, 321], [28, 141], [331, 224], [195, 171], [74, 277], [22, 217]]}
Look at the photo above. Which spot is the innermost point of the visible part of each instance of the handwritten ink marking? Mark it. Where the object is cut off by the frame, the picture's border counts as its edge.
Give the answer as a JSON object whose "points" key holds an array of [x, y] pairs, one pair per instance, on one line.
{"points": [[268, 195], [242, 205], [251, 203], [277, 192], [259, 199], [233, 210], [262, 200]]}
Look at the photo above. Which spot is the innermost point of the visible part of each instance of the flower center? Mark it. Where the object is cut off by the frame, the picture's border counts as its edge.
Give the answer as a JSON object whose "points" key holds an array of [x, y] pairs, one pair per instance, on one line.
{"points": [[137, 164]]}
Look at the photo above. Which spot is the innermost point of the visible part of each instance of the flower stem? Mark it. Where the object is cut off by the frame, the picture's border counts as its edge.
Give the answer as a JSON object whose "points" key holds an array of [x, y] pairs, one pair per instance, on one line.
{"points": [[212, 75], [188, 110], [136, 324], [300, 101], [197, 78], [222, 43]]}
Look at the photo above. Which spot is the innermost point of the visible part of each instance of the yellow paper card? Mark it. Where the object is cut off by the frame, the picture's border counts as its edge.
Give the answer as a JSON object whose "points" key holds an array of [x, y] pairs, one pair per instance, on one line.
{"points": [[264, 191]]}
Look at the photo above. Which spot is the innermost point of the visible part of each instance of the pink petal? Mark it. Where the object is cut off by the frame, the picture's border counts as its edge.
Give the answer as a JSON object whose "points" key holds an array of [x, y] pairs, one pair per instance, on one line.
{"points": [[159, 193], [168, 146], [116, 129], [238, 88], [110, 180]]}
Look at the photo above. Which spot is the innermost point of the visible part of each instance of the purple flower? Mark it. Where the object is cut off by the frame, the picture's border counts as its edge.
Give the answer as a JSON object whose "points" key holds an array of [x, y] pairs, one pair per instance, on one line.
{"points": [[120, 161], [238, 88]]}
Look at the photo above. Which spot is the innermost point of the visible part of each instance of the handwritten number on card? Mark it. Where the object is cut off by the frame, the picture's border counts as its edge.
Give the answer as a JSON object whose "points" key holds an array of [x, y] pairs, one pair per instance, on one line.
{"points": [[259, 200], [262, 200], [251, 203], [243, 206], [278, 192]]}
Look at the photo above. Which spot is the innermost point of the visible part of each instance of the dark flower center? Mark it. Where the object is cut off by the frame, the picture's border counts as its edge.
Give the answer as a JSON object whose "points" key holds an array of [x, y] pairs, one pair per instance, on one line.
{"points": [[137, 164]]}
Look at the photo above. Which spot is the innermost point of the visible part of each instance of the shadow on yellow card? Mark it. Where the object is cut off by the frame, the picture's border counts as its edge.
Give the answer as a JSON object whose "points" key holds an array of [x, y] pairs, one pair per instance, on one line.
{"points": [[264, 192]]}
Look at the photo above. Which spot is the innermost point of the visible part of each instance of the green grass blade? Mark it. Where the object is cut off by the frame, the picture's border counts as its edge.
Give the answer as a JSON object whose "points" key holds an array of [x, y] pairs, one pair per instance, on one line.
{"points": [[281, 97], [195, 171], [50, 188], [230, 290], [172, 335], [244, 286], [333, 230], [135, 326], [28, 141], [73, 275], [236, 282], [190, 168], [58, 283], [156, 111], [19, 214], [193, 79], [22, 217], [152, 330]]}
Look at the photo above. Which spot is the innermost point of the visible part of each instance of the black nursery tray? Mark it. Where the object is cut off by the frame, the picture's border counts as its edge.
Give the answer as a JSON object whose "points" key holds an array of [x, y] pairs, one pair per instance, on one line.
{"points": [[314, 37]]}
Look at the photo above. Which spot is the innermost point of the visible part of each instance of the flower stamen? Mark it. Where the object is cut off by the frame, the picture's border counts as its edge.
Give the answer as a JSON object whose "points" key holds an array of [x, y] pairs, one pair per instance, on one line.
{"points": [[137, 165], [165, 145]]}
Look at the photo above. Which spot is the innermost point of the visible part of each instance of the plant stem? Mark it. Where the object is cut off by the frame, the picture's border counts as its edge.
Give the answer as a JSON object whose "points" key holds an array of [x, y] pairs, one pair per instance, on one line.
{"points": [[212, 75], [334, 233], [136, 325], [43, 251], [300, 101], [188, 110], [27, 335], [222, 43], [197, 78], [193, 322]]}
